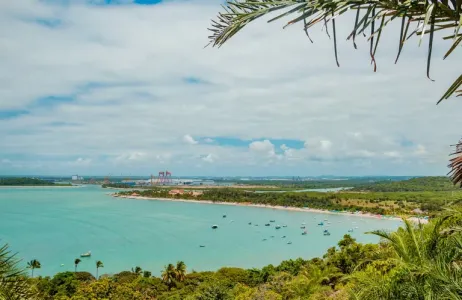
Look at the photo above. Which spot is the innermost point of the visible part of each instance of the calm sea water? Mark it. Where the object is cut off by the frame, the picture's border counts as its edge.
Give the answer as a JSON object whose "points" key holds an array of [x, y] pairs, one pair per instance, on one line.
{"points": [[55, 225]]}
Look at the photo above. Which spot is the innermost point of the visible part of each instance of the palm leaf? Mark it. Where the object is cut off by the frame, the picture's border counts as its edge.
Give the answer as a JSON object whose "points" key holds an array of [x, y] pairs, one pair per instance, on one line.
{"points": [[455, 164], [13, 281], [429, 16]]}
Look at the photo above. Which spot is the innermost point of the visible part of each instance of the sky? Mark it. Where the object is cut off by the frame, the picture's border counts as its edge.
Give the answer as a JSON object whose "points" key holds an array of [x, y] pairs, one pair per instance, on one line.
{"points": [[122, 87]]}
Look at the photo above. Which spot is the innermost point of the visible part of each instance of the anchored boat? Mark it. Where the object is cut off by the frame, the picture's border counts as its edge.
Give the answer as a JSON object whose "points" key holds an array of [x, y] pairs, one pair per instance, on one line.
{"points": [[87, 254]]}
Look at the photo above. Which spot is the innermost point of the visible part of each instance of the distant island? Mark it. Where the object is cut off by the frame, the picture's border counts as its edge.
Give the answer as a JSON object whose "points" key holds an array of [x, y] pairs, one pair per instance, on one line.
{"points": [[27, 181]]}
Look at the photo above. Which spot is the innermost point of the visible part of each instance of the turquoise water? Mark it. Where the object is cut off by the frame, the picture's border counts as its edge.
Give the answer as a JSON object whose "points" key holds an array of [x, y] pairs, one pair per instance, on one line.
{"points": [[55, 225]]}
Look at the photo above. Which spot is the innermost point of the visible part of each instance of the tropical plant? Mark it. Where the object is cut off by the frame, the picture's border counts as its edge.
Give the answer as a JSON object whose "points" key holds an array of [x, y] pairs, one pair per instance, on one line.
{"points": [[425, 263], [76, 263], [32, 265], [13, 281], [430, 16], [99, 264], [180, 271], [137, 270], [169, 275], [146, 274], [456, 165]]}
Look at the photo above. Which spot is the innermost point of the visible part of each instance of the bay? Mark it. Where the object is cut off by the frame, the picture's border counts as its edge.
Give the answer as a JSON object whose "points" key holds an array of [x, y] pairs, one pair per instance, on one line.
{"points": [[56, 224]]}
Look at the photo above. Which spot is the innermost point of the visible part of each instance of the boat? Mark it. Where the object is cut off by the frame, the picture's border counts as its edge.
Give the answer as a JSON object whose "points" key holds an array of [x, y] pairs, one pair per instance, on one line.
{"points": [[284, 226], [272, 221], [302, 227], [283, 236], [256, 225], [214, 226], [272, 236], [350, 230], [202, 246], [326, 232], [264, 240], [87, 254], [224, 216], [278, 227], [303, 223], [289, 243], [304, 232], [250, 223], [320, 223], [267, 224]]}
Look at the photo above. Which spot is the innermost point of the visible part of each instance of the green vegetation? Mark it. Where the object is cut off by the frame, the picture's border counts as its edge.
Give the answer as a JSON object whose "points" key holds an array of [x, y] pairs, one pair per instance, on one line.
{"points": [[386, 203], [421, 184], [116, 185], [26, 181], [32, 265], [13, 280], [415, 262]]}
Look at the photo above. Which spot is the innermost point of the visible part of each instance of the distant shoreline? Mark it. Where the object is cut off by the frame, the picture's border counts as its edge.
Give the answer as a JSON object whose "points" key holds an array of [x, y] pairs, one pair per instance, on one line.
{"points": [[38, 186], [312, 210]]}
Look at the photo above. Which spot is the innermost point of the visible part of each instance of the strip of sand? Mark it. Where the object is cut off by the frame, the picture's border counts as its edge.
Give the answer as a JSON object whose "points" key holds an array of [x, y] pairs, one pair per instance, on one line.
{"points": [[311, 210]]}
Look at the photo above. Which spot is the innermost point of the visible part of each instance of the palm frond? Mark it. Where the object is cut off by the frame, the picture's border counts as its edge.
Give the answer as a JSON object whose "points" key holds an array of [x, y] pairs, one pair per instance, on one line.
{"points": [[13, 280], [429, 15], [455, 163]]}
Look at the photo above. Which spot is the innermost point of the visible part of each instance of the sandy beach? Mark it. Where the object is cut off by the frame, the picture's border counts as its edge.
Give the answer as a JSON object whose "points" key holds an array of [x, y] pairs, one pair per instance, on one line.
{"points": [[310, 210]]}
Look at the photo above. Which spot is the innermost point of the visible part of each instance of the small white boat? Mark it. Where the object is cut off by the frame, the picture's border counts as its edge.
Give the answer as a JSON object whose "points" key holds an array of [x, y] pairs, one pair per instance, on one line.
{"points": [[284, 225], [289, 243], [278, 227], [87, 254], [350, 230]]}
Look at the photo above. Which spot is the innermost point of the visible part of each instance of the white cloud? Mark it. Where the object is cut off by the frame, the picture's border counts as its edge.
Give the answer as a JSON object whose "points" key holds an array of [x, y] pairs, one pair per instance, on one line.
{"points": [[208, 158], [131, 101], [393, 154], [81, 162], [189, 139], [420, 150], [264, 147]]}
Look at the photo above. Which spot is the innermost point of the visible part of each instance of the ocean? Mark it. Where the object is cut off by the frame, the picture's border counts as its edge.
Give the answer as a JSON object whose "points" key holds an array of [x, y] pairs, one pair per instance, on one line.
{"points": [[56, 224]]}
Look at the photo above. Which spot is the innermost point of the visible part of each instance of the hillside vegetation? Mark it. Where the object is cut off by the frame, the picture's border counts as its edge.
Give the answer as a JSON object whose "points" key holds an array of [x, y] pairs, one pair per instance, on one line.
{"points": [[421, 184], [23, 181]]}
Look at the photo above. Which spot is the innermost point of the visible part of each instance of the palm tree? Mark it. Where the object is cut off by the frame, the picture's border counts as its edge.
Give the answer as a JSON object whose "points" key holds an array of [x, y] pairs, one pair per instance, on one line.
{"points": [[33, 264], [456, 165], [13, 280], [425, 264], [137, 270], [180, 271], [76, 263], [429, 15], [99, 264], [169, 275]]}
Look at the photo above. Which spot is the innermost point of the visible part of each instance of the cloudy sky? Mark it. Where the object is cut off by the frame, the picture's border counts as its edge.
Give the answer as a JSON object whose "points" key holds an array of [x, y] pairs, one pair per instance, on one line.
{"points": [[98, 87]]}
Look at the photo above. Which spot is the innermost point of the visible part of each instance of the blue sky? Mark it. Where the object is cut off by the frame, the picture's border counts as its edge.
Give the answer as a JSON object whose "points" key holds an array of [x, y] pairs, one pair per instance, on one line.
{"points": [[123, 87]]}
